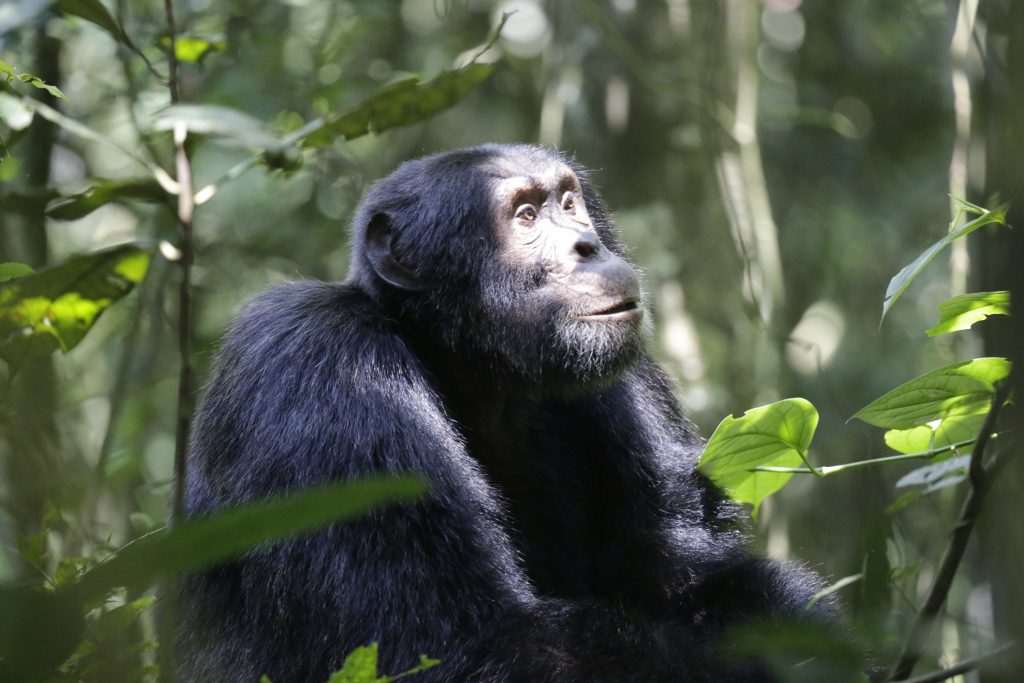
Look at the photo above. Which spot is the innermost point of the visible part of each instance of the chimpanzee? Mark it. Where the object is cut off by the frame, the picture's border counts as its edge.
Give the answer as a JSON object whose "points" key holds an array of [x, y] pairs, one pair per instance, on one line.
{"points": [[489, 339]]}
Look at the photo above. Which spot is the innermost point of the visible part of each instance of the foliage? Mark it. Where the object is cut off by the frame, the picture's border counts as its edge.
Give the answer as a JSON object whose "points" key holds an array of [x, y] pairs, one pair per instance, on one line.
{"points": [[361, 667]]}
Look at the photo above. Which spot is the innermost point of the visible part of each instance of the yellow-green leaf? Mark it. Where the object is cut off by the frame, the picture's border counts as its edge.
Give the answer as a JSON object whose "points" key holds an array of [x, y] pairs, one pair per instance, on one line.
{"points": [[959, 389], [775, 435], [961, 312]]}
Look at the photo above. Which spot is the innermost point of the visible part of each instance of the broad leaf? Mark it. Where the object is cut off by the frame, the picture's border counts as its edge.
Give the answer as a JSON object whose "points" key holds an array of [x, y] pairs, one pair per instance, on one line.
{"points": [[199, 543], [959, 389], [776, 435], [54, 308], [104, 192], [902, 279], [403, 103], [209, 119], [961, 312], [936, 434], [96, 13], [39, 629]]}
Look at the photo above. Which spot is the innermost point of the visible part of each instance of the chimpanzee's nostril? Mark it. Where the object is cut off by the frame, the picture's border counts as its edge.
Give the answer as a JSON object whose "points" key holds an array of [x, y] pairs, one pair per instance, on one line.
{"points": [[588, 245]]}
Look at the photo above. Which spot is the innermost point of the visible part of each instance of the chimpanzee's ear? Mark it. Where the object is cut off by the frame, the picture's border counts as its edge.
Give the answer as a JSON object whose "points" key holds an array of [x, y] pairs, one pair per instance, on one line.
{"points": [[377, 241]]}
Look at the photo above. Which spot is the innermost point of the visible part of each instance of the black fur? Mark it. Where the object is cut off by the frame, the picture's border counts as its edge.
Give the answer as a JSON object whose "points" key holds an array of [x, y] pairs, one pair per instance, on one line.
{"points": [[567, 536]]}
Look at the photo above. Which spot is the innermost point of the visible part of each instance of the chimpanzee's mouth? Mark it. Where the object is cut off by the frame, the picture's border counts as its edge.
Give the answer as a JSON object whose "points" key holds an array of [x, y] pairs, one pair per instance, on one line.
{"points": [[626, 310]]}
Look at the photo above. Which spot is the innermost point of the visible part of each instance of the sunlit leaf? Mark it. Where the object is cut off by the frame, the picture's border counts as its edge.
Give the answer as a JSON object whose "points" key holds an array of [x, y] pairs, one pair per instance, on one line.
{"points": [[96, 13], [360, 667], [959, 389], [191, 49], [104, 192], [775, 435], [209, 119], [54, 308], [403, 103], [902, 279], [961, 312], [937, 433], [199, 543]]}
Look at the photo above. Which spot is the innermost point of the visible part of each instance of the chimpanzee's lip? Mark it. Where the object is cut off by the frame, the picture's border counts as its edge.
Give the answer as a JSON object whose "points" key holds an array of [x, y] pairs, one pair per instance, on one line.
{"points": [[625, 310]]}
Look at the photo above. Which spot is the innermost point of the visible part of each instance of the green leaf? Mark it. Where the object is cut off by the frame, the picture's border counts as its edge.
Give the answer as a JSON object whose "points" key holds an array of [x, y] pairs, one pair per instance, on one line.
{"points": [[55, 308], [11, 74], [359, 667], [199, 543], [902, 279], [9, 270], [192, 50], [936, 434], [39, 629], [403, 103], [209, 119], [964, 388], [776, 435], [104, 192], [96, 13], [961, 312]]}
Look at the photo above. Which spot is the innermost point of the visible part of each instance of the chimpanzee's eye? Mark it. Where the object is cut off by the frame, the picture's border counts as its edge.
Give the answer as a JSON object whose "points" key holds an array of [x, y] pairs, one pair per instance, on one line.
{"points": [[569, 203], [527, 213]]}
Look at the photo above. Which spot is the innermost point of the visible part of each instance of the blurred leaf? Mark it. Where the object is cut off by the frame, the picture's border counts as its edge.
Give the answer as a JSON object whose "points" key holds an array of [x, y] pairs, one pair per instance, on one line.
{"points": [[209, 119], [192, 50], [10, 73], [961, 312], [96, 13], [39, 629], [937, 475], [104, 192], [9, 270], [936, 434], [776, 435], [199, 543], [964, 388], [796, 652], [403, 103], [902, 279], [55, 308]]}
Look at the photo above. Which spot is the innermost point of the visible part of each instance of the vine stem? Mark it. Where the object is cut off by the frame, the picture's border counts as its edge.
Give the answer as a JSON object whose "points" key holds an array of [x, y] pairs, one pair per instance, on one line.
{"points": [[832, 469], [981, 479]]}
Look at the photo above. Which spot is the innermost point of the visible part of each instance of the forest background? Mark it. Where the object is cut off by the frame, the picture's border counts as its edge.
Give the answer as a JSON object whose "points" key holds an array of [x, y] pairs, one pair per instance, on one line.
{"points": [[771, 164]]}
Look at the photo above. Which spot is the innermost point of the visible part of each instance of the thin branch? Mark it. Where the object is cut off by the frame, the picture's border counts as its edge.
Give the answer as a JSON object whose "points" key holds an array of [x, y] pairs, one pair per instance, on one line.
{"points": [[186, 207], [962, 667], [981, 481]]}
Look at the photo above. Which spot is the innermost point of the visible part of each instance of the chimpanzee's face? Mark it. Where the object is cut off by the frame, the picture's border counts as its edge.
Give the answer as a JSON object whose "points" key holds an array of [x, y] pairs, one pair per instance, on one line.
{"points": [[569, 307], [505, 256]]}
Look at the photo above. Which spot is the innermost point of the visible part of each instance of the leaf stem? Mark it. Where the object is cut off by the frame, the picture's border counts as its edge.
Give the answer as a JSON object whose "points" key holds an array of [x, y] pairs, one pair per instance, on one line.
{"points": [[832, 469]]}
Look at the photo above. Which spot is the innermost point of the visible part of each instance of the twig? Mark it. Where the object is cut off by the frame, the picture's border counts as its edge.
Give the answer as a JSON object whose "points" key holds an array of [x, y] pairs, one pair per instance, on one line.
{"points": [[186, 207], [962, 667], [832, 469], [981, 481]]}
